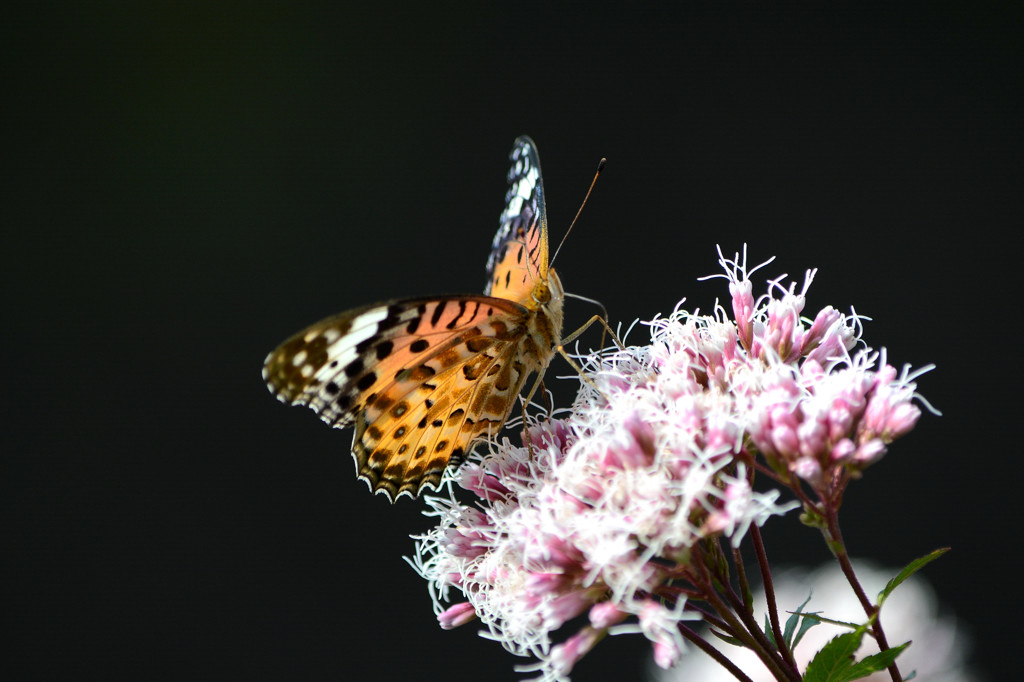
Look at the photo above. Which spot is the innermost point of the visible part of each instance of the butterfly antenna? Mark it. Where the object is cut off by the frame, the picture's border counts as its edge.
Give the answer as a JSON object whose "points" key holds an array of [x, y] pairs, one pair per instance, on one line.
{"points": [[600, 167]]}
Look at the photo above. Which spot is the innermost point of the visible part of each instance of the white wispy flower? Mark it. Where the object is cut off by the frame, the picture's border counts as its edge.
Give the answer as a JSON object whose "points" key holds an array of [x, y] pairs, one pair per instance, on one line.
{"points": [[607, 510]]}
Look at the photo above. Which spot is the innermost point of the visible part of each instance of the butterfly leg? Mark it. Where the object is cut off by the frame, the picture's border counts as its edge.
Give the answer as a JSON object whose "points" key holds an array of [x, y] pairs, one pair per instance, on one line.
{"points": [[549, 407], [579, 370], [603, 319], [576, 334], [548, 402]]}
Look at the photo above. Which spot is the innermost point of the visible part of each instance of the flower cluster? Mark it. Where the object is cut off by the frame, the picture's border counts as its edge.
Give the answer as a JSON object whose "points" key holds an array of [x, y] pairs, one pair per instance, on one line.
{"points": [[606, 511]]}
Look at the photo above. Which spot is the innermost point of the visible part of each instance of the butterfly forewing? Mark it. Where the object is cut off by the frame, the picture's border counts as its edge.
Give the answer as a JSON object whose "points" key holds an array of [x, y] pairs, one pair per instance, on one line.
{"points": [[422, 379], [519, 254]]}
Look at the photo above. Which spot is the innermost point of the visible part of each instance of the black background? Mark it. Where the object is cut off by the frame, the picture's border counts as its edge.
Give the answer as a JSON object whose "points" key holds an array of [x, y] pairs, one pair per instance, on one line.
{"points": [[185, 187]]}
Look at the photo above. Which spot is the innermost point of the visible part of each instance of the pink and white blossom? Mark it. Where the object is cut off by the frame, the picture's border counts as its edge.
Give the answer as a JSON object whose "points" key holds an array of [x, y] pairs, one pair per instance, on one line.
{"points": [[604, 510]]}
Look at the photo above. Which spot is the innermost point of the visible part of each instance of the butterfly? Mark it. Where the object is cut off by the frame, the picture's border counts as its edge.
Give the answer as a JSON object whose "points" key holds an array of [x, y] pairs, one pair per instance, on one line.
{"points": [[423, 379]]}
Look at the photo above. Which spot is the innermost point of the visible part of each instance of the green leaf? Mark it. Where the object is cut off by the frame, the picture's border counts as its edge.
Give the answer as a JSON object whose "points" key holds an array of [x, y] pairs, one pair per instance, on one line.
{"points": [[911, 568], [835, 659], [835, 662], [813, 615], [728, 639], [805, 625], [791, 623], [875, 662]]}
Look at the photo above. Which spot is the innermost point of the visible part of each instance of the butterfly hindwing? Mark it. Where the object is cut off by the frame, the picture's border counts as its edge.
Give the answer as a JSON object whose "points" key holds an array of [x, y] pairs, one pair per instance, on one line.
{"points": [[419, 378], [409, 434], [519, 254]]}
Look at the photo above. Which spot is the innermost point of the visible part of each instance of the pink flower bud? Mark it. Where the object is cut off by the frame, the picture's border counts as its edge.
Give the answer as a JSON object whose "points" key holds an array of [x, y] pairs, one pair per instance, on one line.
{"points": [[466, 544], [785, 325], [456, 615], [901, 420], [783, 415], [540, 583], [565, 607], [567, 654], [809, 470], [840, 421], [666, 653], [842, 451], [823, 322], [546, 551], [838, 339], [785, 440], [482, 484], [743, 310], [659, 626], [811, 370], [869, 452], [812, 434], [606, 614]]}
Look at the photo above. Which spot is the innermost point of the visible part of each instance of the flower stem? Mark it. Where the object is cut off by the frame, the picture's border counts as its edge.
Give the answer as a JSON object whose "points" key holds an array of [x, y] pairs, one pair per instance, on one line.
{"points": [[834, 537], [769, 593], [714, 653], [744, 628]]}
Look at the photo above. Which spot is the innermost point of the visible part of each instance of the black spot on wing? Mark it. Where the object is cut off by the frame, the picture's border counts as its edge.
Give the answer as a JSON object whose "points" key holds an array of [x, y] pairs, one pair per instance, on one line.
{"points": [[354, 368], [366, 381], [438, 311], [384, 349]]}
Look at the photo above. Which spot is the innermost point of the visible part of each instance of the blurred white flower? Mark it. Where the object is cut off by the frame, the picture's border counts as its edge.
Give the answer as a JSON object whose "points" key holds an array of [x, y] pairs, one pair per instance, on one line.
{"points": [[938, 653]]}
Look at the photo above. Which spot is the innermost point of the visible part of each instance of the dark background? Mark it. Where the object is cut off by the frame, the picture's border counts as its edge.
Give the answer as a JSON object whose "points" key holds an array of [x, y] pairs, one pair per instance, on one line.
{"points": [[185, 187]]}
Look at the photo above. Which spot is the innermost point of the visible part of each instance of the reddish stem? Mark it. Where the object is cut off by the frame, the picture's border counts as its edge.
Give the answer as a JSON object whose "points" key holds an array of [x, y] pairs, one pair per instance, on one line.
{"points": [[769, 594], [714, 653], [834, 537]]}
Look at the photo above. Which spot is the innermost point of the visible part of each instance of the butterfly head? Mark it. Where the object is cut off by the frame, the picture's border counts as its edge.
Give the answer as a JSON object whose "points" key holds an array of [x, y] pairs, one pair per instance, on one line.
{"points": [[547, 296], [546, 289]]}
